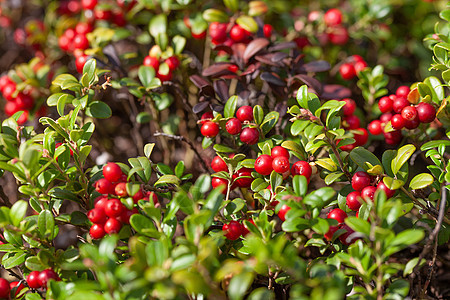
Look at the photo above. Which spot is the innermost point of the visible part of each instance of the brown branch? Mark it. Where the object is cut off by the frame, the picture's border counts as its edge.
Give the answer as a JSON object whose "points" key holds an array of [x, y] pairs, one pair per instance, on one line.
{"points": [[4, 197]]}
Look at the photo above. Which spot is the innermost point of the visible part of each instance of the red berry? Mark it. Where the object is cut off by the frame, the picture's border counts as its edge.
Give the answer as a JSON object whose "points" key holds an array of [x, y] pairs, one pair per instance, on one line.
{"points": [[101, 14], [18, 286], [399, 104], [385, 104], [279, 151], [398, 122], [361, 136], [338, 35], [32, 280], [413, 124], [47, 275], [164, 77], [112, 172], [100, 202], [88, 4], [349, 108], [388, 191], [112, 226], [409, 113], [351, 122], [360, 66], [97, 215], [80, 61], [83, 28], [232, 230], [360, 180], [209, 129], [249, 135], [4, 288], [243, 182], [239, 34], [96, 231], [245, 113], [333, 17], [11, 108], [216, 182], [337, 214], [126, 215], [263, 164], [24, 102], [218, 31], [114, 208], [199, 36], [206, 116], [347, 71], [64, 43], [301, 168], [393, 137], [138, 196], [80, 42], [104, 186], [4, 81], [121, 190], [385, 118], [8, 91], [153, 196], [172, 62], [402, 91], [233, 68], [426, 112], [330, 232], [375, 128], [368, 192], [344, 238], [280, 164], [267, 30], [151, 62], [218, 164], [354, 200], [233, 126], [283, 211]]}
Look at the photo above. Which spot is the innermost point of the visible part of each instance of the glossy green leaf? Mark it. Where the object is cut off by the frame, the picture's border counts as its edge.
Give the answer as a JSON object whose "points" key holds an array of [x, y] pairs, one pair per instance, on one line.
{"points": [[421, 181], [403, 154], [215, 15], [99, 110], [230, 107]]}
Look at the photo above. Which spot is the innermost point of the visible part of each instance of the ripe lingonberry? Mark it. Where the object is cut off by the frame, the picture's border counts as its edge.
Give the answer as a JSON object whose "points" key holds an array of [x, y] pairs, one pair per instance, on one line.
{"points": [[80, 61], [104, 186], [198, 36], [216, 182], [8, 91], [232, 230], [47, 275], [126, 215], [112, 172], [100, 202], [347, 71], [383, 187], [330, 232], [112, 226], [32, 280], [399, 103], [393, 137], [96, 231], [233, 126], [375, 128], [280, 164], [360, 180], [239, 34], [349, 108], [97, 215], [361, 136], [88, 4], [164, 76], [83, 28], [243, 182], [151, 62], [206, 117], [267, 30], [301, 168], [338, 35], [332, 17], [245, 113], [17, 285], [4, 289], [249, 135], [283, 211], [114, 208], [218, 31], [80, 42], [398, 122], [210, 129], [409, 113], [385, 104], [351, 122], [24, 102], [344, 238], [414, 123], [426, 112], [354, 200], [153, 196], [385, 118], [218, 164], [360, 66], [402, 91], [263, 164], [368, 192], [337, 214], [279, 151], [121, 190], [172, 62]]}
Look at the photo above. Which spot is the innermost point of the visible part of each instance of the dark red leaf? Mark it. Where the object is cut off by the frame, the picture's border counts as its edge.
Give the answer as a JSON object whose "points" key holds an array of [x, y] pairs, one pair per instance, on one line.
{"points": [[199, 81], [335, 91], [267, 59], [224, 48], [221, 88], [254, 47], [199, 107], [273, 79], [316, 66], [217, 70], [282, 46], [251, 68], [279, 56], [311, 82]]}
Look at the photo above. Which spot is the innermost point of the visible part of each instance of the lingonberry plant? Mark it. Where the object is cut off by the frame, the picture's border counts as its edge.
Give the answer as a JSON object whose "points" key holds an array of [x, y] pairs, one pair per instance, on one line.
{"points": [[223, 150]]}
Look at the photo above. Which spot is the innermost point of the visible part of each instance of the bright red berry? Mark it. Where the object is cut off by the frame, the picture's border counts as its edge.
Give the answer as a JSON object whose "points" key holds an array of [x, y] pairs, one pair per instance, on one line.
{"points": [[279, 151], [209, 129], [112, 172], [351, 122], [360, 66], [83, 28], [172, 62], [80, 61], [347, 71], [368, 192], [330, 232], [243, 182], [4, 288], [8, 91], [337, 214], [354, 200], [333, 17], [151, 62], [361, 136], [360, 180], [263, 164], [216, 182], [47, 275], [121, 190], [198, 36], [88, 4], [409, 113], [349, 108], [18, 287], [239, 34], [249, 135], [114, 208], [301, 168], [104, 186], [399, 103], [385, 118], [100, 202], [153, 196], [112, 226], [97, 215], [206, 117], [388, 191], [402, 91], [426, 112], [375, 128], [338, 35], [233, 126], [232, 230], [218, 164], [24, 102], [96, 231], [218, 31], [32, 280], [267, 30], [385, 104], [283, 211], [398, 122], [80, 42], [280, 164], [245, 113]]}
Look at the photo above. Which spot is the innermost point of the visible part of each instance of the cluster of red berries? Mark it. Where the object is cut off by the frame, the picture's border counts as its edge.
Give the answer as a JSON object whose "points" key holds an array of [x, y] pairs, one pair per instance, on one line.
{"points": [[15, 101], [350, 69], [242, 178], [227, 34], [154, 60], [36, 279], [340, 216], [233, 230], [109, 213], [401, 114], [6, 288], [244, 115], [32, 34], [352, 122], [74, 40], [336, 32]]}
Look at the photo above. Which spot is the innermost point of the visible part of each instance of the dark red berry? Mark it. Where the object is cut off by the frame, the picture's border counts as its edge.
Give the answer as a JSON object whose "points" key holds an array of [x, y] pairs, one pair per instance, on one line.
{"points": [[409, 113], [114, 208], [249, 135], [345, 238], [330, 232], [124, 218], [243, 182], [283, 211], [245, 113], [368, 192], [232, 230], [361, 136], [263, 164], [279, 151], [4, 289], [104, 186], [233, 126], [351, 122], [398, 122], [354, 200], [413, 124], [112, 172], [47, 275], [426, 112], [218, 164], [96, 231], [332, 17], [239, 34], [24, 102], [360, 180], [97, 215], [210, 129], [347, 71], [349, 108], [337, 214], [112, 226], [385, 104], [32, 280], [301, 168], [172, 62], [280, 164], [218, 31], [338, 35], [399, 104], [375, 127], [393, 137], [383, 187]]}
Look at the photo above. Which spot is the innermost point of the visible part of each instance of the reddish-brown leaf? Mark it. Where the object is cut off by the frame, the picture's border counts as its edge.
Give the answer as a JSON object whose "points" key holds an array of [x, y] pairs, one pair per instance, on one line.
{"points": [[254, 47]]}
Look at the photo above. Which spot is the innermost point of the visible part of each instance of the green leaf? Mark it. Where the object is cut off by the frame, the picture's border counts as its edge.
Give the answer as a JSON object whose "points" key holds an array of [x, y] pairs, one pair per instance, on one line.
{"points": [[239, 285], [358, 225], [332, 177], [300, 185], [158, 25], [222, 148], [168, 179], [230, 107], [258, 114], [143, 117], [89, 69], [302, 96], [393, 184], [275, 179], [182, 199], [144, 225], [232, 5], [10, 262], [146, 74], [148, 148], [269, 121], [434, 144], [215, 15], [99, 110], [403, 154], [361, 156], [66, 81], [404, 239], [299, 126], [248, 23], [46, 223], [409, 267], [18, 212], [319, 225], [421, 181]]}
